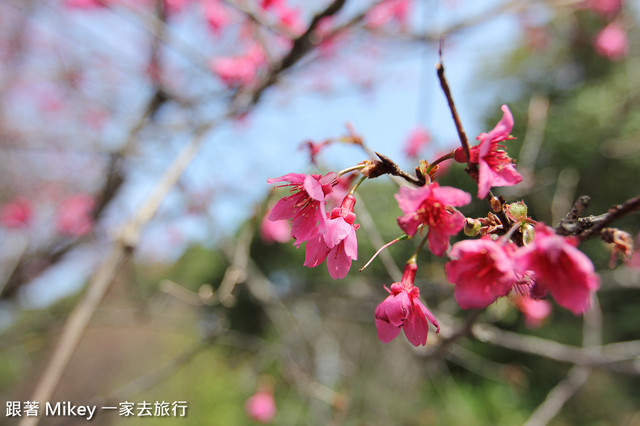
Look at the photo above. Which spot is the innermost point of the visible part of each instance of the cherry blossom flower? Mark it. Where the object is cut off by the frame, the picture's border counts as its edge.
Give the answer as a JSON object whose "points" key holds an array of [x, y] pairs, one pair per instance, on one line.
{"points": [[481, 270], [305, 207], [84, 4], [387, 11], [216, 15], [418, 139], [240, 70], [535, 311], [274, 231], [261, 407], [495, 166], [559, 268], [604, 7], [74, 215], [611, 42], [432, 206], [338, 243], [16, 214], [402, 310]]}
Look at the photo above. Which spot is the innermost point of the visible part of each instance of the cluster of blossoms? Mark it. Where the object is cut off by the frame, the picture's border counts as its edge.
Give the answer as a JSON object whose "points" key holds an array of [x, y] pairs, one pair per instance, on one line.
{"points": [[73, 216], [535, 264], [327, 236]]}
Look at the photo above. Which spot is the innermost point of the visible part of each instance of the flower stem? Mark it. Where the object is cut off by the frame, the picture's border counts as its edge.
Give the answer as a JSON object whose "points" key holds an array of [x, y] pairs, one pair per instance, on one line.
{"points": [[355, 187], [400, 238], [351, 169], [414, 257], [440, 160]]}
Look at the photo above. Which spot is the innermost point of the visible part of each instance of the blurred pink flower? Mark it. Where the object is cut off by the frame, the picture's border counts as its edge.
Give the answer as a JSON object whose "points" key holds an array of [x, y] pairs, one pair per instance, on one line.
{"points": [[338, 244], [216, 15], [559, 268], [604, 7], [274, 231], [261, 407], [387, 11], [535, 311], [289, 18], [482, 271], [611, 42], [16, 213], [495, 166], [418, 139], [431, 206], [305, 207], [402, 310], [83, 4], [74, 215], [240, 70]]}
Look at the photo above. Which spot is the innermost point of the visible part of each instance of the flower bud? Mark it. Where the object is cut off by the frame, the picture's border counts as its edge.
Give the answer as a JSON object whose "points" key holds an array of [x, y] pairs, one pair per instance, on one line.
{"points": [[517, 211], [472, 227], [528, 233]]}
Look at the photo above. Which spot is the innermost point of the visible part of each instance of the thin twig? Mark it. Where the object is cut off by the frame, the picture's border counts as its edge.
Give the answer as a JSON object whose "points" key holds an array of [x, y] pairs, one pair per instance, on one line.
{"points": [[464, 141]]}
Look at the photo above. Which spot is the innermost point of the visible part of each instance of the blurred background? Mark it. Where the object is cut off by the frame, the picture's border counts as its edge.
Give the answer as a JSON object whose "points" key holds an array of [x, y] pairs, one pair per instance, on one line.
{"points": [[137, 137]]}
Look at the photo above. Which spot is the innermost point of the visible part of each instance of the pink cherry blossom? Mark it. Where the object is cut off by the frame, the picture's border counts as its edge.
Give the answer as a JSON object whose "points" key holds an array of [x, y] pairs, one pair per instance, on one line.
{"points": [[481, 270], [402, 310], [216, 15], [305, 207], [495, 166], [559, 268], [74, 215], [418, 139], [261, 407], [84, 4], [338, 243], [535, 311], [604, 7], [274, 231], [611, 42], [240, 70], [387, 11], [16, 214], [432, 206], [289, 18]]}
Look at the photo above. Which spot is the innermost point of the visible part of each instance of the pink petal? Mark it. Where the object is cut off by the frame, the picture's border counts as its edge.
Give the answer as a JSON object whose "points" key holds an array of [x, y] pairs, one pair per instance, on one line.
{"points": [[504, 126], [338, 263], [451, 196], [386, 331], [313, 188], [416, 326], [316, 252]]}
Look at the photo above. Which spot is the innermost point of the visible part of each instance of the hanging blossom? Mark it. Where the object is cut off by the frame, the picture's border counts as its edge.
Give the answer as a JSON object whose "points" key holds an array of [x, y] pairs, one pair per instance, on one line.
{"points": [[338, 243], [495, 166], [387, 11], [482, 271], [274, 231], [240, 70], [261, 407], [216, 15], [418, 139], [16, 214], [305, 207], [432, 206], [74, 215], [535, 311], [559, 268], [402, 310], [611, 42]]}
